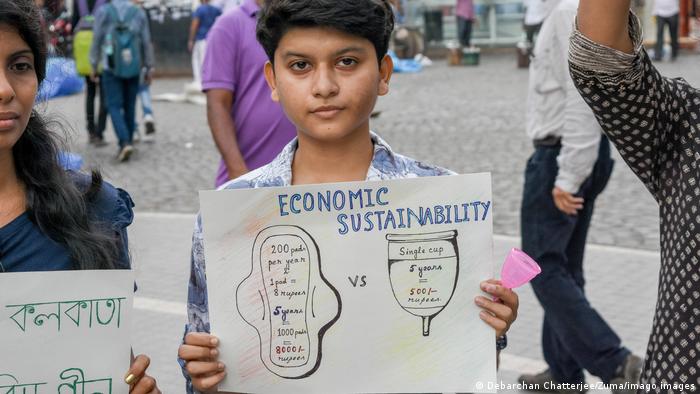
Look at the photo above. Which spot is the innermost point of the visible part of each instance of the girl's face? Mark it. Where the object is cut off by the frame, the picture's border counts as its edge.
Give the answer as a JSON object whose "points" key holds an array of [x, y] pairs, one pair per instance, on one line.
{"points": [[18, 86]]}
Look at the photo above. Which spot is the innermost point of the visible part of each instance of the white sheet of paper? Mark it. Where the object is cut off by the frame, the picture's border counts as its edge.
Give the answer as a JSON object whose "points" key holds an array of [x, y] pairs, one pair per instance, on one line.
{"points": [[65, 331], [309, 295]]}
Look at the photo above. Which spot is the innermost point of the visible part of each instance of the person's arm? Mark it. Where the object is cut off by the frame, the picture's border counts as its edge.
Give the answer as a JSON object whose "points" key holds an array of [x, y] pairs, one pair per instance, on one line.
{"points": [[224, 46], [637, 108], [219, 103], [148, 56], [605, 22], [98, 38], [580, 136], [193, 30]]}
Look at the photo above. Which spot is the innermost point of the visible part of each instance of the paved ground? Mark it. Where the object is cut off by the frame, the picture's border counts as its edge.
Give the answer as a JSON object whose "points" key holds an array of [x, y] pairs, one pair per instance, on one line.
{"points": [[466, 119]]}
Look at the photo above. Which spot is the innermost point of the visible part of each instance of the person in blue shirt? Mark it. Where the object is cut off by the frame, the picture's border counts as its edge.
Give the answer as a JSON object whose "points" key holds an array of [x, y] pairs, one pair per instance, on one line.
{"points": [[121, 90], [202, 20], [327, 66], [50, 219]]}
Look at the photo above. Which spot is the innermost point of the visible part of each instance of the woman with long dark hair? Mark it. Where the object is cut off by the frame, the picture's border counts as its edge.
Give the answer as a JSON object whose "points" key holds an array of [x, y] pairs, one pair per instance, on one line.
{"points": [[50, 219]]}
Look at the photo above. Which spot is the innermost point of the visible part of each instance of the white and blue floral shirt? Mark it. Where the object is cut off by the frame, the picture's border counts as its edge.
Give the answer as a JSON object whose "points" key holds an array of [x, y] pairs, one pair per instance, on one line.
{"points": [[385, 165]]}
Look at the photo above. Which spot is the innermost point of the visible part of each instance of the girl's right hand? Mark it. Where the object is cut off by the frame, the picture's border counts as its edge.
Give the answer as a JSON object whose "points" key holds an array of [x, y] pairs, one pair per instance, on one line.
{"points": [[200, 354]]}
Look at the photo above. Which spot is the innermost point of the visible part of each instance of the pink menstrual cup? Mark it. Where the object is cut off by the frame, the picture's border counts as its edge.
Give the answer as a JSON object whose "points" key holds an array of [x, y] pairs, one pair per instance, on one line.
{"points": [[518, 269]]}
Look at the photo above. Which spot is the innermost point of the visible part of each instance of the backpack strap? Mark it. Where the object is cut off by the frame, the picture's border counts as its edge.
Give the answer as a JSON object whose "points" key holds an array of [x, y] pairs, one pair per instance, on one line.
{"points": [[130, 14], [112, 12]]}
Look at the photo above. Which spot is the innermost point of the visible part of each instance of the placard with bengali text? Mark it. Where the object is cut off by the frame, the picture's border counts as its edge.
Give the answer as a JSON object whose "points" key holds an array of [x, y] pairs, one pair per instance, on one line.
{"points": [[65, 332]]}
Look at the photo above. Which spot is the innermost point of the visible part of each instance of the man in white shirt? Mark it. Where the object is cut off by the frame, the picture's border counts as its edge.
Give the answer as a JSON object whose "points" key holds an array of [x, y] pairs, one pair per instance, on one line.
{"points": [[569, 169], [535, 12], [666, 12]]}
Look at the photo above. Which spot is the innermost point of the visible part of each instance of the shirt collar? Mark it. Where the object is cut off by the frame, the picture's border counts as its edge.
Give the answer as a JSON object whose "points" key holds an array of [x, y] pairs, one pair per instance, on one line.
{"points": [[281, 166], [250, 7]]}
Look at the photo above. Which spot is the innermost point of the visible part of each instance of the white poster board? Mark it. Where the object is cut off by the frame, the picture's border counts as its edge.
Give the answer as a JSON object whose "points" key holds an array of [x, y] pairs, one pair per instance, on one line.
{"points": [[363, 287], [65, 331]]}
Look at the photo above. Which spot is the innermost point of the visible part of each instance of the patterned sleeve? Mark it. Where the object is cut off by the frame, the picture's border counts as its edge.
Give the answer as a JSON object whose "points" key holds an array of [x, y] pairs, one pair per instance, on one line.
{"points": [[197, 302], [197, 298], [636, 107]]}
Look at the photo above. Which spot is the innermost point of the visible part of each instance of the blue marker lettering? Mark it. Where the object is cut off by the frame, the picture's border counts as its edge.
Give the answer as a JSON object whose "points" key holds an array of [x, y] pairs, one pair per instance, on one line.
{"points": [[342, 218], [295, 197], [486, 206], [381, 191], [281, 198], [368, 220], [355, 197], [308, 202], [338, 205]]}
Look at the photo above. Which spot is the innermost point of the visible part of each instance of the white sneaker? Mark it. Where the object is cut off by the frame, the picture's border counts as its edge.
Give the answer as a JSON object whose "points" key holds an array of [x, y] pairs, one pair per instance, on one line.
{"points": [[125, 153]]}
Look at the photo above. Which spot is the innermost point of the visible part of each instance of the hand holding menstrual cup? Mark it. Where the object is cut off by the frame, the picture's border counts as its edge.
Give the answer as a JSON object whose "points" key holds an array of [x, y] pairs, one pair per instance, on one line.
{"points": [[518, 269]]}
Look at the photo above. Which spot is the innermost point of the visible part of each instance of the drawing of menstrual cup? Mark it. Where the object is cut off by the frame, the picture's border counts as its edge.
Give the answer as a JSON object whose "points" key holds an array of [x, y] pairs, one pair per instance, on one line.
{"points": [[288, 301], [423, 272]]}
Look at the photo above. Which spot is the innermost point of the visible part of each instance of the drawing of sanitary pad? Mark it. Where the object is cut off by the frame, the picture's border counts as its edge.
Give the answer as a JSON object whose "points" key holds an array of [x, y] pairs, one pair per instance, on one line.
{"points": [[288, 301]]}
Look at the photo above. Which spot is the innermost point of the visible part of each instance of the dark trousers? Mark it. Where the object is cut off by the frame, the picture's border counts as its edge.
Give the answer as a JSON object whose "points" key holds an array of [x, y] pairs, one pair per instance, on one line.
{"points": [[92, 90], [121, 103], [574, 335], [530, 31], [464, 30], [661, 23]]}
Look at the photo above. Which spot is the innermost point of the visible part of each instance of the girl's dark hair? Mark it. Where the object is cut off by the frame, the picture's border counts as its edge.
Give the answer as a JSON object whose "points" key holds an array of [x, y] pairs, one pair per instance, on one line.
{"points": [[54, 202], [369, 19]]}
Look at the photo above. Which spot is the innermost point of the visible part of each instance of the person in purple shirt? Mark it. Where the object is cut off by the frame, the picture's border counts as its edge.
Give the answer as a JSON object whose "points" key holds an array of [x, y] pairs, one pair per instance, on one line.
{"points": [[465, 19], [249, 129]]}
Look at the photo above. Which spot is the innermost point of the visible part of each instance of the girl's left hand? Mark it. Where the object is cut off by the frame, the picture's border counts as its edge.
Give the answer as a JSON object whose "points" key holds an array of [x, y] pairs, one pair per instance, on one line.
{"points": [[137, 379], [501, 311]]}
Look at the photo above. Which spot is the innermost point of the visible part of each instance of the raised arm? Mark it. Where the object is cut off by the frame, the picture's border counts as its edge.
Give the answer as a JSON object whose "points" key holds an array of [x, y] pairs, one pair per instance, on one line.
{"points": [[606, 22], [638, 108]]}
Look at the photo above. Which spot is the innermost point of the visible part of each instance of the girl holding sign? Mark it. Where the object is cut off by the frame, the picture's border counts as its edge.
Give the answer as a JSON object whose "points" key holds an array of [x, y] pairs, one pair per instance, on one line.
{"points": [[328, 64], [50, 219]]}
